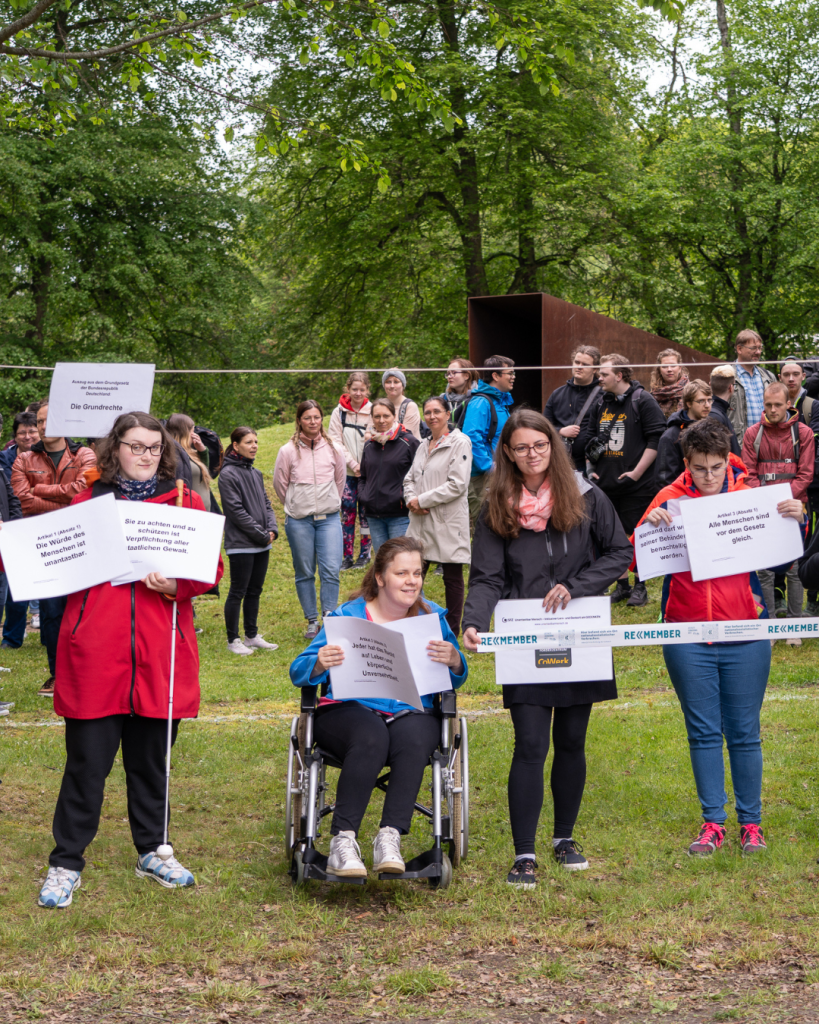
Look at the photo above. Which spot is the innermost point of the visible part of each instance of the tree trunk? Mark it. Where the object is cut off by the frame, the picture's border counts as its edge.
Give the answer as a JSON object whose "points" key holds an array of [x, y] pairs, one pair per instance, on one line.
{"points": [[469, 223]]}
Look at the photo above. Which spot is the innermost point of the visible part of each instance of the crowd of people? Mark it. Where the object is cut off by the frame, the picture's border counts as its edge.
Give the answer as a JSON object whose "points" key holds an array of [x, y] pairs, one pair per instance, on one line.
{"points": [[538, 505]]}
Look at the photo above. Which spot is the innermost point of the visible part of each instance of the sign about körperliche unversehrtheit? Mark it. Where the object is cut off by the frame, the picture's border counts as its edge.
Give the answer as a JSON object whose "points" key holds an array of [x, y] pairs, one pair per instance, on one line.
{"points": [[86, 398]]}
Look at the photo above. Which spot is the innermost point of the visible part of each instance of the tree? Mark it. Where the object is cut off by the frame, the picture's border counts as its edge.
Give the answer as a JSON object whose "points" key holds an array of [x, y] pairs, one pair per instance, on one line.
{"points": [[505, 202], [720, 218], [123, 243]]}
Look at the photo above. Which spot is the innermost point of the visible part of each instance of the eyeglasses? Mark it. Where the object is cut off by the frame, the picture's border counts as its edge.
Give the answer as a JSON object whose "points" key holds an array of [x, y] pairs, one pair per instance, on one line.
{"points": [[539, 448], [139, 449], [454, 373], [708, 474]]}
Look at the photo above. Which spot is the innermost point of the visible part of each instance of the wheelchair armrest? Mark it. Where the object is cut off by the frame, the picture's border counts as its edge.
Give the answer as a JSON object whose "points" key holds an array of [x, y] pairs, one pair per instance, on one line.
{"points": [[308, 699], [449, 704]]}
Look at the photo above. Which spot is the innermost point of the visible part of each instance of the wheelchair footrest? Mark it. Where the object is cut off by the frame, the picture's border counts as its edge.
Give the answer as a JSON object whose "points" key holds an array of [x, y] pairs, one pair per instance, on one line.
{"points": [[315, 868], [425, 865]]}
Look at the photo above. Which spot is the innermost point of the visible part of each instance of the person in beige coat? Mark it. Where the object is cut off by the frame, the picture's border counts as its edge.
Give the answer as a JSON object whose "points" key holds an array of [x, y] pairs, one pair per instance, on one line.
{"points": [[435, 492]]}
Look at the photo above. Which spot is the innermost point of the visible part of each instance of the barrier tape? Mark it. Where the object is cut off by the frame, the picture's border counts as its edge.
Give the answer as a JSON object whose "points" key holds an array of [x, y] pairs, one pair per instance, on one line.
{"points": [[650, 634]]}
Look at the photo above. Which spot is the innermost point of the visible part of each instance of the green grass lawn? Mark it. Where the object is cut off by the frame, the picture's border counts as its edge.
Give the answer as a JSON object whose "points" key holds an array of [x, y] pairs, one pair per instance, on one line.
{"points": [[645, 934]]}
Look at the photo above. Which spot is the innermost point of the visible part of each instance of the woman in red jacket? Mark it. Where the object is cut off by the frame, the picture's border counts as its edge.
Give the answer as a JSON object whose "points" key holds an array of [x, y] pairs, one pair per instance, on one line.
{"points": [[719, 685], [113, 674]]}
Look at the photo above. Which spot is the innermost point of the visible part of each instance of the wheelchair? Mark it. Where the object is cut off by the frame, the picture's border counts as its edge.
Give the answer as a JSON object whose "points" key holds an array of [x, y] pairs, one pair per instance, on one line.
{"points": [[306, 800]]}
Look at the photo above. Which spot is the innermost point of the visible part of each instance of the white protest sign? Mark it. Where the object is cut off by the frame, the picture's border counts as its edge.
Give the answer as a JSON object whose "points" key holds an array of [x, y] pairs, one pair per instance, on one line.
{"points": [[180, 543], [740, 531], [661, 549], [430, 676], [60, 552], [86, 398], [376, 665], [556, 661]]}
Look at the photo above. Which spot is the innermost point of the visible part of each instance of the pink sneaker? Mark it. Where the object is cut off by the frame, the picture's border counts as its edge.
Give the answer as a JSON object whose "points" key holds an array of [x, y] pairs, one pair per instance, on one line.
{"points": [[710, 839], [752, 840]]}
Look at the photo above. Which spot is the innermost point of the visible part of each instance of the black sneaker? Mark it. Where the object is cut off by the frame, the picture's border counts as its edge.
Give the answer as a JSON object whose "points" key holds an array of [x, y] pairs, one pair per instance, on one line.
{"points": [[346, 564], [569, 855], [439, 571], [639, 596], [363, 559], [313, 630], [621, 592], [522, 875]]}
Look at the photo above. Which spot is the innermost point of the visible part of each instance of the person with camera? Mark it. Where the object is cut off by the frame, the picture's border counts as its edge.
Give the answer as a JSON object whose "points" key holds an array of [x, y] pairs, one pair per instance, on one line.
{"points": [[620, 439], [568, 405]]}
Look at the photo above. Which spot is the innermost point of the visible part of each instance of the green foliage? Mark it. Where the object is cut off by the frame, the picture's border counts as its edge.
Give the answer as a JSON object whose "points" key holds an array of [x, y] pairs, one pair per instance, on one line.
{"points": [[121, 243]]}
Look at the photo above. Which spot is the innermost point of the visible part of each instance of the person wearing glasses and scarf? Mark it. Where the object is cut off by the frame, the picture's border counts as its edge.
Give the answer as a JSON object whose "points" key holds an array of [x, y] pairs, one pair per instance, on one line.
{"points": [[548, 534], [113, 670], [720, 686]]}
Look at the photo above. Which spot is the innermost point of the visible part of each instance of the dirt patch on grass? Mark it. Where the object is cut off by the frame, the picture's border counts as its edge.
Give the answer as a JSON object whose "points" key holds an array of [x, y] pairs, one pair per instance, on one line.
{"points": [[524, 984]]}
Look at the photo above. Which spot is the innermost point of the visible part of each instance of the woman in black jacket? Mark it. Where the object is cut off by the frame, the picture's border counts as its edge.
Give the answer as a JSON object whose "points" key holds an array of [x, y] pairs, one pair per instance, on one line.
{"points": [[544, 533], [385, 461], [250, 529]]}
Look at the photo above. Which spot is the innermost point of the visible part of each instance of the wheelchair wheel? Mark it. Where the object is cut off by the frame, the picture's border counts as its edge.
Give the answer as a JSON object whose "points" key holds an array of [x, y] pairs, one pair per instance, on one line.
{"points": [[292, 802], [445, 880], [460, 801], [297, 868]]}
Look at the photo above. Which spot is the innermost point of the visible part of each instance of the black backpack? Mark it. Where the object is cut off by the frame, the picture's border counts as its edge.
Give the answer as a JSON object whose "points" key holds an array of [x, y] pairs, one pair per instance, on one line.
{"points": [[460, 414], [402, 412]]}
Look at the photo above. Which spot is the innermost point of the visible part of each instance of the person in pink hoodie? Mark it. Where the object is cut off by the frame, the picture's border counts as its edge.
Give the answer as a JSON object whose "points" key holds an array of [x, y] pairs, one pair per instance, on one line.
{"points": [[780, 449], [309, 480], [350, 425]]}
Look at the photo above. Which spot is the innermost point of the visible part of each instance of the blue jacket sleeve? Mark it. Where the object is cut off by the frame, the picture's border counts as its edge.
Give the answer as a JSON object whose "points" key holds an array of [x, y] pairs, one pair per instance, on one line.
{"points": [[476, 427], [458, 678], [302, 666]]}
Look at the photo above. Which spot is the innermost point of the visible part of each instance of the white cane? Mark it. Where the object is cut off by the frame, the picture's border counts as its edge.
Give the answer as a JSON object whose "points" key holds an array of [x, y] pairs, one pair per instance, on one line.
{"points": [[165, 851]]}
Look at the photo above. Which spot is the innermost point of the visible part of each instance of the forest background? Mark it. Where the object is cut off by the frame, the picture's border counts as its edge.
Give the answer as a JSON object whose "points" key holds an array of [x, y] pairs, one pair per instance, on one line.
{"points": [[305, 184]]}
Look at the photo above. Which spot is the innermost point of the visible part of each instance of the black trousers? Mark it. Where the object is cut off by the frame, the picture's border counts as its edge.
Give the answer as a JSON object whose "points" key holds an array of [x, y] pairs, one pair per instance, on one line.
{"points": [[91, 745], [364, 743], [532, 726], [247, 573], [52, 610], [453, 592]]}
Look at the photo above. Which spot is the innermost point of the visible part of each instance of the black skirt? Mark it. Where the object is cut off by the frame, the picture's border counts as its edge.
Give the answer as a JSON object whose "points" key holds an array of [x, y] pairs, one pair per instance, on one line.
{"points": [[560, 695]]}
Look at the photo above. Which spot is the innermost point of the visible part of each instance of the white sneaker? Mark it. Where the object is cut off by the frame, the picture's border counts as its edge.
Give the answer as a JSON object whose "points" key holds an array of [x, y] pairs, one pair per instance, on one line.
{"points": [[794, 641], [59, 886], [35, 621], [345, 856], [237, 647], [257, 641], [387, 851]]}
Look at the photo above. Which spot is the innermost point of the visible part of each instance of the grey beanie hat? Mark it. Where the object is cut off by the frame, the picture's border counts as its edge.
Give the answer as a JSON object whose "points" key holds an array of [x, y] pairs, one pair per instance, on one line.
{"points": [[393, 373]]}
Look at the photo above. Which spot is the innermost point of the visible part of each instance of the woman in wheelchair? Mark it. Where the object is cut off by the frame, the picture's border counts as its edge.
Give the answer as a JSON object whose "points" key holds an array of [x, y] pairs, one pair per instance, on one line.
{"points": [[367, 735]]}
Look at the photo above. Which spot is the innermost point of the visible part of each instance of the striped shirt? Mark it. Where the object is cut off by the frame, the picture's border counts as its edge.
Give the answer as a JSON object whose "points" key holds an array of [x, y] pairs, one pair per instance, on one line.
{"points": [[754, 387]]}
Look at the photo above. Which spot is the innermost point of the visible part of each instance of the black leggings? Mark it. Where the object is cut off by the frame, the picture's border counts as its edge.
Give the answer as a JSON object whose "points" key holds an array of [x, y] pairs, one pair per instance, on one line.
{"points": [[247, 573], [532, 722], [453, 592], [91, 744], [364, 743]]}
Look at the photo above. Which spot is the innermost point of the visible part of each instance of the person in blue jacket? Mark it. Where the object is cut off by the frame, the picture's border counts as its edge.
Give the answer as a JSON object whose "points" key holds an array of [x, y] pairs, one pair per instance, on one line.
{"points": [[487, 409], [365, 735]]}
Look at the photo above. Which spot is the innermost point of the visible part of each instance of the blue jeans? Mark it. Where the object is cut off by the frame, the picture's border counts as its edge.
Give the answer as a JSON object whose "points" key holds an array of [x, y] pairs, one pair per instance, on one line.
{"points": [[311, 541], [386, 527], [721, 688]]}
